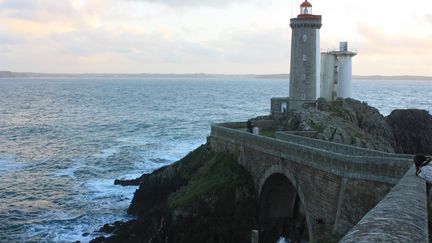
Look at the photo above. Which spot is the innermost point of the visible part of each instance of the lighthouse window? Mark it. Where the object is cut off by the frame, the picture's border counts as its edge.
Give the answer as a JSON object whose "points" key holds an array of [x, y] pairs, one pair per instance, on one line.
{"points": [[304, 38], [304, 58]]}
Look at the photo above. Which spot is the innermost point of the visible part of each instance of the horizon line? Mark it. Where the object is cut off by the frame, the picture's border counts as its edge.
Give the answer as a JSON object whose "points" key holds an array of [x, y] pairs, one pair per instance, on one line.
{"points": [[11, 74]]}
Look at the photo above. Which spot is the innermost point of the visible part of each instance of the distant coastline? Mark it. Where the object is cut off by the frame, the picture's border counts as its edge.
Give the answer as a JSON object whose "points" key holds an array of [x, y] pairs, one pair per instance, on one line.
{"points": [[9, 74]]}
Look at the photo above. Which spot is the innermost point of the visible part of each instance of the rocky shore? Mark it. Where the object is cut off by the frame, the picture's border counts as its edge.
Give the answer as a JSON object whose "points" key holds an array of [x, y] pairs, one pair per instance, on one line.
{"points": [[204, 197], [208, 197]]}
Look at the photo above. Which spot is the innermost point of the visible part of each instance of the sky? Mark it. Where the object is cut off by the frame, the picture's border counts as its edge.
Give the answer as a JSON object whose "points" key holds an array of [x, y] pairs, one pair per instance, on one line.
{"points": [[392, 37]]}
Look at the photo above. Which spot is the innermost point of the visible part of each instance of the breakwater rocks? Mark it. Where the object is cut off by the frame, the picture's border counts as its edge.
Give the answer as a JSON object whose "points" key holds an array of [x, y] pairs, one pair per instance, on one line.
{"points": [[204, 197]]}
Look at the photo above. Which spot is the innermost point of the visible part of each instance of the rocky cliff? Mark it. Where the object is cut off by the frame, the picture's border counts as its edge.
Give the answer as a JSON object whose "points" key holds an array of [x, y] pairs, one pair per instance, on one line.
{"points": [[204, 197], [346, 121], [412, 130], [208, 197]]}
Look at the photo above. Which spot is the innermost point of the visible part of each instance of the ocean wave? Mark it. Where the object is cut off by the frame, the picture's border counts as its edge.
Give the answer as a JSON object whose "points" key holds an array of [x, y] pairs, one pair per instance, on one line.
{"points": [[10, 163]]}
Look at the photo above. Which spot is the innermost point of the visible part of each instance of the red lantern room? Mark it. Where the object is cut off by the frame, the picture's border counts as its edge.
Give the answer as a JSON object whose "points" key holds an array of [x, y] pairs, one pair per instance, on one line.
{"points": [[306, 8]]}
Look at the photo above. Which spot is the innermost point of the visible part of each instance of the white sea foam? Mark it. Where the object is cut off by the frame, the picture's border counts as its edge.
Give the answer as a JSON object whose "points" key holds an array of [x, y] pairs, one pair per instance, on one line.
{"points": [[66, 230], [106, 153], [283, 240], [105, 190], [133, 175], [105, 202], [70, 170]]}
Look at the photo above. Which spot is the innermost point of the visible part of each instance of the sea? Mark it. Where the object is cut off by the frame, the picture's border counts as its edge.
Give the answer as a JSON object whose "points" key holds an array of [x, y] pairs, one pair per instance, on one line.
{"points": [[64, 141]]}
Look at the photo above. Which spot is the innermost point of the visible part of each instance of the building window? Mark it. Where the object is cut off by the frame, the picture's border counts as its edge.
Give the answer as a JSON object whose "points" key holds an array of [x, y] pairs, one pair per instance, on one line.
{"points": [[303, 96], [304, 58], [304, 38], [303, 77]]}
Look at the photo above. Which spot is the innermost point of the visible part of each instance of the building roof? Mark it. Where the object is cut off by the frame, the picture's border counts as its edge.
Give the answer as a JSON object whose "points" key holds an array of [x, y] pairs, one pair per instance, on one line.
{"points": [[306, 4]]}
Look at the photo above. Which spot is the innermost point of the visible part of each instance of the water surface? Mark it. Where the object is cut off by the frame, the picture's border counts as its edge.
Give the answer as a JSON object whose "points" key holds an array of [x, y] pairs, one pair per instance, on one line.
{"points": [[64, 141]]}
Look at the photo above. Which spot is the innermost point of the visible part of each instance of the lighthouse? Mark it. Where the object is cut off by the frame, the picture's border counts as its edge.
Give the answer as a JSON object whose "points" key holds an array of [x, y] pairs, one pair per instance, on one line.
{"points": [[305, 57]]}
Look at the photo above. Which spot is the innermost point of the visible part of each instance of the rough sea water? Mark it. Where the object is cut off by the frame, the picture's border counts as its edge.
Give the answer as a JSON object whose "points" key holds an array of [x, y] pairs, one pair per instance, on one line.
{"points": [[64, 141]]}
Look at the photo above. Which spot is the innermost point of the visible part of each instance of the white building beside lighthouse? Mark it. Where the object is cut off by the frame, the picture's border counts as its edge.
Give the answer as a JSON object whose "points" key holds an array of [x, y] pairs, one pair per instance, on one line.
{"points": [[336, 73]]}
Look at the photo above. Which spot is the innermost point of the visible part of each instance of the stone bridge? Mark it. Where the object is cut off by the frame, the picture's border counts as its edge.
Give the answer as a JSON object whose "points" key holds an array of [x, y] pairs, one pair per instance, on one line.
{"points": [[309, 188]]}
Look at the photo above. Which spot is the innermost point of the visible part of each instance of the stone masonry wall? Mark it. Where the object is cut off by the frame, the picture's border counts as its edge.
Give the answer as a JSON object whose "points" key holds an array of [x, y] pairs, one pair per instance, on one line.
{"points": [[381, 169], [328, 183], [336, 147], [317, 190], [400, 217]]}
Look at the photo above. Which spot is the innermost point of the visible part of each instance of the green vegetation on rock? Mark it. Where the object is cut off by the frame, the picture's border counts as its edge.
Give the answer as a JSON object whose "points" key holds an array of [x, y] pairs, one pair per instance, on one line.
{"points": [[204, 197], [266, 133], [221, 171]]}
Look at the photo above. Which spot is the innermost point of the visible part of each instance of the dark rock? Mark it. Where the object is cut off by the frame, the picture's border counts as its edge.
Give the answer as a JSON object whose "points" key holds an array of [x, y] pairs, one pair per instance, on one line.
{"points": [[133, 182], [322, 104], [136, 181], [107, 228], [345, 121], [412, 130], [99, 239], [204, 197]]}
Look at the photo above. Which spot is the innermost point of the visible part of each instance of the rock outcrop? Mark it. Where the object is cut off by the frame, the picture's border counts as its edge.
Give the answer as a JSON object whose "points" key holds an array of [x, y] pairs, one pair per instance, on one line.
{"points": [[204, 197], [412, 130], [345, 121]]}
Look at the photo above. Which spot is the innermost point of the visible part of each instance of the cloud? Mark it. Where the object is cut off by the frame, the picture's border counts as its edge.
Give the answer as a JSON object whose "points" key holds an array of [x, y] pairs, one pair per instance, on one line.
{"points": [[20, 4], [385, 53], [9, 38], [41, 10], [226, 36], [428, 19], [92, 50], [377, 41], [195, 3], [264, 46]]}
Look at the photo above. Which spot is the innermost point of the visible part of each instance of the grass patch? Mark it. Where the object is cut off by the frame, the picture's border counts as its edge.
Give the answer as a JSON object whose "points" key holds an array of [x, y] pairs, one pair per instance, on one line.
{"points": [[221, 171], [269, 134], [316, 126], [336, 107], [360, 136]]}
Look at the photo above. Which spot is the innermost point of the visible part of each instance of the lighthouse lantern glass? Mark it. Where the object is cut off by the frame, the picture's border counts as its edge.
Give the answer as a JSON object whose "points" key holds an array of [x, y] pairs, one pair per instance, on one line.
{"points": [[306, 10]]}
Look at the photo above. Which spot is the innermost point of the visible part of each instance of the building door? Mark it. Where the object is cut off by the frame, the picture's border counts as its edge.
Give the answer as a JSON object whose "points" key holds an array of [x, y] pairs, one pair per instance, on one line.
{"points": [[284, 107]]}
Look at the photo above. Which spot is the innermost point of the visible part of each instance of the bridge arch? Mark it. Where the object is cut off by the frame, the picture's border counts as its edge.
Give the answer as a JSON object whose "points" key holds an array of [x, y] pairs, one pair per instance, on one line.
{"points": [[282, 207]]}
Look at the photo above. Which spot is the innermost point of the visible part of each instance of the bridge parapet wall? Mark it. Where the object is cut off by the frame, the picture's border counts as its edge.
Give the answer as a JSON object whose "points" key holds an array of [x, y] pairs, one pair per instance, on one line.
{"points": [[400, 217], [341, 186], [387, 169], [336, 147]]}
